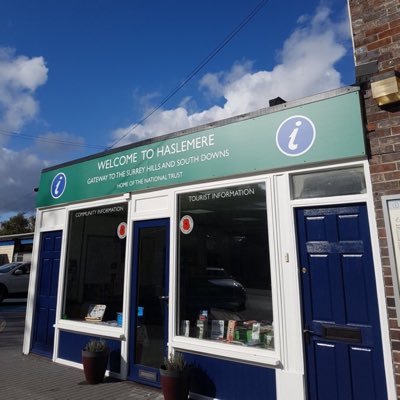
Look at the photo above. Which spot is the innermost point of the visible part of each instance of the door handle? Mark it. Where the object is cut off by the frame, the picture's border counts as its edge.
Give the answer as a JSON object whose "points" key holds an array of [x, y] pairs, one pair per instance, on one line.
{"points": [[164, 297], [307, 335]]}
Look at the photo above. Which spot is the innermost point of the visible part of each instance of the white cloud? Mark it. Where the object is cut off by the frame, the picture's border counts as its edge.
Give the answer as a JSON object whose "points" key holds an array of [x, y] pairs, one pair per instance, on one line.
{"points": [[215, 83], [306, 65], [22, 170], [20, 76]]}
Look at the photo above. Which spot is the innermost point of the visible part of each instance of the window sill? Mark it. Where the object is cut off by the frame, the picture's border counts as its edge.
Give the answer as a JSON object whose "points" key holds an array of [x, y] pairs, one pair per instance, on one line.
{"points": [[243, 354], [91, 328]]}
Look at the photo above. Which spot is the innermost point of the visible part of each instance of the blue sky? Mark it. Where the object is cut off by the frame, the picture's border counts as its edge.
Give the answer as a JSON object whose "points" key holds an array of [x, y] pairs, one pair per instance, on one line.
{"points": [[76, 76]]}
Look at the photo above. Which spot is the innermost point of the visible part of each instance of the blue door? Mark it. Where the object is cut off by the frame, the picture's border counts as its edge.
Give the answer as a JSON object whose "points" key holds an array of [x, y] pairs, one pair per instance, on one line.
{"points": [[46, 293], [148, 333], [342, 337]]}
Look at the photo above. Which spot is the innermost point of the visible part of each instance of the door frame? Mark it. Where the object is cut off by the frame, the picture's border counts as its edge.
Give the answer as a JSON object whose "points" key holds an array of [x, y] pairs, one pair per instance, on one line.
{"points": [[132, 372], [372, 275]]}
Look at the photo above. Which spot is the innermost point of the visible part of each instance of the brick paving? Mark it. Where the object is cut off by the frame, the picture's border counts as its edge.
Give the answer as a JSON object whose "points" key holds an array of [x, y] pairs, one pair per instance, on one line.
{"points": [[37, 378]]}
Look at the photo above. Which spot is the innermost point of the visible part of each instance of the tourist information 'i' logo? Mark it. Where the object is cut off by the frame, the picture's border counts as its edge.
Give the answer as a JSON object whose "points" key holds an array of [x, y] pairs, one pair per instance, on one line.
{"points": [[295, 135], [58, 185]]}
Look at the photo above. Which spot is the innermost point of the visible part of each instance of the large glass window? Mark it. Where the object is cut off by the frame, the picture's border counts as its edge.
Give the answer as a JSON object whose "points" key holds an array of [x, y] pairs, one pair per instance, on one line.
{"points": [[95, 262], [224, 266]]}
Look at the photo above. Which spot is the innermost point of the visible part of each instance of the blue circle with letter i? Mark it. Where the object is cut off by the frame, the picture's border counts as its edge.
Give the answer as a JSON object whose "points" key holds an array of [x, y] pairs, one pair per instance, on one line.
{"points": [[58, 185], [295, 135]]}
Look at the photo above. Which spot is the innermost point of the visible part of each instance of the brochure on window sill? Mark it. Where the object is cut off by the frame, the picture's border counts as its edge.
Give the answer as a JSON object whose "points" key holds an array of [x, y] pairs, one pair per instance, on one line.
{"points": [[95, 312], [97, 322]]}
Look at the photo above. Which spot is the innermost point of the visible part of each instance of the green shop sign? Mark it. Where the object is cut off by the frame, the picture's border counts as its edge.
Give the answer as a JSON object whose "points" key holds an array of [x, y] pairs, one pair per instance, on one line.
{"points": [[325, 129]]}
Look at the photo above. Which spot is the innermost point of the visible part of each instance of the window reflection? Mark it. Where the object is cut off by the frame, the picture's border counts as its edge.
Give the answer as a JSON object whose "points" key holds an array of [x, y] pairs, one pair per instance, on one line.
{"points": [[344, 181], [224, 266], [95, 265]]}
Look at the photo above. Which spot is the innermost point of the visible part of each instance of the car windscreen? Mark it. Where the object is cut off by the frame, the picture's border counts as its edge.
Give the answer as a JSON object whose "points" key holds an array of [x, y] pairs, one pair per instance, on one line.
{"points": [[8, 267]]}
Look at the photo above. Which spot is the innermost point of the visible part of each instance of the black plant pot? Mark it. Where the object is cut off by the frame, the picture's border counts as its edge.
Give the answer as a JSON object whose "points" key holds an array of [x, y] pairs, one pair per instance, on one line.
{"points": [[174, 384], [95, 365]]}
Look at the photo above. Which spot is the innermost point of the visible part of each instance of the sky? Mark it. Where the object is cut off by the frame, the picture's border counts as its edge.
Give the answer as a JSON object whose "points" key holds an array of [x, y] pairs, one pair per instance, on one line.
{"points": [[78, 77]]}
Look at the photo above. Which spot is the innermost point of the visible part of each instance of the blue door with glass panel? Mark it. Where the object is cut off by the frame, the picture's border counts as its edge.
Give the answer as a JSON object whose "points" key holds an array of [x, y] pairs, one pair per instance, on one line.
{"points": [[148, 331], [46, 293], [342, 338]]}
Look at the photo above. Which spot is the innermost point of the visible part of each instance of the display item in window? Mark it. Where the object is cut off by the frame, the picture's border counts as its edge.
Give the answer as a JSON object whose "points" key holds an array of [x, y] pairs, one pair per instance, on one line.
{"points": [[217, 329], [231, 330], [95, 313], [201, 329], [185, 328]]}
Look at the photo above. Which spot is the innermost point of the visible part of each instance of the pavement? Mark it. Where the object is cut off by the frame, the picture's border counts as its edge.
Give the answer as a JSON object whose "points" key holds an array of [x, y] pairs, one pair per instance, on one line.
{"points": [[37, 378]]}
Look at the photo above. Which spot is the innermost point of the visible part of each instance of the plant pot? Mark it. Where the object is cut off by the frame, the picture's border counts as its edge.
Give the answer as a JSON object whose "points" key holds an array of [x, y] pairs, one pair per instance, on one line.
{"points": [[94, 365], [174, 384]]}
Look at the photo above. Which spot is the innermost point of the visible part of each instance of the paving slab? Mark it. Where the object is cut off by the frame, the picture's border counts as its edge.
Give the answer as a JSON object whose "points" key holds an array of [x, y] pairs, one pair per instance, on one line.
{"points": [[38, 378]]}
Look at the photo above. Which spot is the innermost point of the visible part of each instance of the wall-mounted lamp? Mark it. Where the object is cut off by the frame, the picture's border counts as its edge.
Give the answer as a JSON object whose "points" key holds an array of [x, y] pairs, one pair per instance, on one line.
{"points": [[386, 88]]}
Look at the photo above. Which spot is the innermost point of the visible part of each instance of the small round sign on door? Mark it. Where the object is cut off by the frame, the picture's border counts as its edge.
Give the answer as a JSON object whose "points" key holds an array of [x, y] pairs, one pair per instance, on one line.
{"points": [[186, 224], [121, 230]]}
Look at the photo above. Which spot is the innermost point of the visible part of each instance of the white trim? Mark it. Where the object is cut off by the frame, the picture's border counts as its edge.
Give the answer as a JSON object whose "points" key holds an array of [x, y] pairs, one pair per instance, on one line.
{"points": [[133, 217], [290, 385], [366, 198], [84, 328], [394, 268], [287, 358], [71, 325], [60, 287], [264, 357], [126, 297], [40, 216], [290, 382], [31, 300], [69, 363]]}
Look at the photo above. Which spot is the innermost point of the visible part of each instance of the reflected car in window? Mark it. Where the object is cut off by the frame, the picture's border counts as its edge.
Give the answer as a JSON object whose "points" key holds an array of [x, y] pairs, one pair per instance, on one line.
{"points": [[14, 279], [215, 288]]}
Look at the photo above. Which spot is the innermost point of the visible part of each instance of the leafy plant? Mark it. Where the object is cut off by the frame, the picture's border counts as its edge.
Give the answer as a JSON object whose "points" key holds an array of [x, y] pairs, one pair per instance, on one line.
{"points": [[17, 224], [175, 362], [95, 345]]}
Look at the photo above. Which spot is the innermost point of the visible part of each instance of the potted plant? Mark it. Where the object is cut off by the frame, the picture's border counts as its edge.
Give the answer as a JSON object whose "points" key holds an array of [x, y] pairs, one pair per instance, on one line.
{"points": [[94, 360], [174, 374]]}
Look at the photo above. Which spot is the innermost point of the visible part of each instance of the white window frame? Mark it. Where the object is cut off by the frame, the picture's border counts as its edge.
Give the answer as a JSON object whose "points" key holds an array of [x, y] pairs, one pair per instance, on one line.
{"points": [[266, 357], [394, 264], [80, 327]]}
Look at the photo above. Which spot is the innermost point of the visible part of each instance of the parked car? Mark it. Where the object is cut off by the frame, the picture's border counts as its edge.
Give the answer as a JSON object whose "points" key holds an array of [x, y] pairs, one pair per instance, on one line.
{"points": [[14, 279]]}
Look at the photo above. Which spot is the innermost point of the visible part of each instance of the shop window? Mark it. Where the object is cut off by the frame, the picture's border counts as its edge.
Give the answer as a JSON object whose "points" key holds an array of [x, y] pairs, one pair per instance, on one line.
{"points": [[95, 263], [336, 182], [224, 266]]}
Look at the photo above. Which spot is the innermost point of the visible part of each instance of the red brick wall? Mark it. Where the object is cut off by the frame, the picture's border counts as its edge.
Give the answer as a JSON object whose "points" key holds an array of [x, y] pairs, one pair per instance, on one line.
{"points": [[376, 32]]}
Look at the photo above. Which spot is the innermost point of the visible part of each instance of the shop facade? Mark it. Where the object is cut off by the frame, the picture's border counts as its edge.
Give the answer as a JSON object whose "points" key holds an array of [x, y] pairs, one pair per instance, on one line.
{"points": [[16, 247], [249, 244]]}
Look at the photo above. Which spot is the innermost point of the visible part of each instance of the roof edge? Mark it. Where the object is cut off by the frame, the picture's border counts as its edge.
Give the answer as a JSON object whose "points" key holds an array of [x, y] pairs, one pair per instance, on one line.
{"points": [[226, 121]]}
